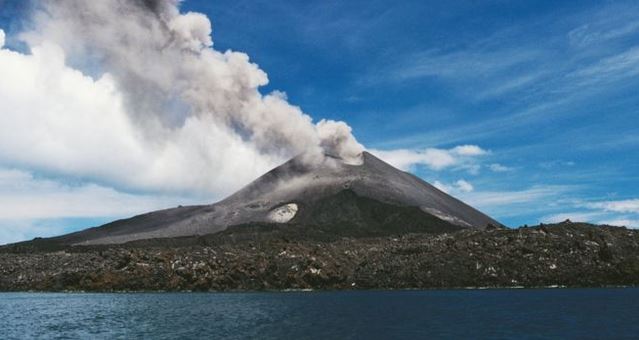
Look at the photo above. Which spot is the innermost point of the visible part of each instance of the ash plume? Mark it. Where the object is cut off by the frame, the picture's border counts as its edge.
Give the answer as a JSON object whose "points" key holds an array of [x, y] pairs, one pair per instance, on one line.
{"points": [[178, 93], [164, 59]]}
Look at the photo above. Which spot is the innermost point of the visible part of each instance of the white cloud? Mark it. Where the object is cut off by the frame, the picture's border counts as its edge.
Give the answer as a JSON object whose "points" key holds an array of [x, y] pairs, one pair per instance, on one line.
{"points": [[486, 63], [525, 202], [468, 150], [585, 35], [31, 206], [496, 167], [578, 216], [24, 197], [464, 186], [623, 206], [434, 158], [20, 230], [129, 97], [505, 198], [55, 118], [443, 187], [621, 66], [617, 213], [166, 112], [404, 159], [459, 187], [629, 223]]}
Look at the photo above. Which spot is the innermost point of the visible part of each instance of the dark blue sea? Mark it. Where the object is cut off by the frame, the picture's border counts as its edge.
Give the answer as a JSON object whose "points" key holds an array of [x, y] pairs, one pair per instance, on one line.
{"points": [[453, 314]]}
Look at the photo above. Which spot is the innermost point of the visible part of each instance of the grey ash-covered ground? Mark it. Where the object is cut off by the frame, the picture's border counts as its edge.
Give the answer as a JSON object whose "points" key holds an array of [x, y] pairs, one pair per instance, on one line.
{"points": [[316, 192], [277, 257]]}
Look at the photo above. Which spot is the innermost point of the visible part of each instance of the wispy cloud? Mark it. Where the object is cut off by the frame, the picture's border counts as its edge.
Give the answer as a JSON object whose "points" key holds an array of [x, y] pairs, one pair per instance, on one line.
{"points": [[534, 78], [34, 206], [20, 230], [496, 167], [509, 204], [23, 196], [474, 63], [462, 156], [508, 198], [616, 212], [622, 222], [460, 186], [589, 34], [622, 206], [577, 216], [608, 70], [613, 22]]}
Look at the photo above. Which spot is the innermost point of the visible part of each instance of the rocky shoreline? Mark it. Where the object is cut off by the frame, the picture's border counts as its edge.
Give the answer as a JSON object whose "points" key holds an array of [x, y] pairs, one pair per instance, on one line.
{"points": [[566, 254]]}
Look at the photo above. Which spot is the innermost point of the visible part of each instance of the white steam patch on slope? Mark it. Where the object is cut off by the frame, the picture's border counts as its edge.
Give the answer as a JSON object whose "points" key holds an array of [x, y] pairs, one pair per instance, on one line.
{"points": [[131, 93], [283, 213]]}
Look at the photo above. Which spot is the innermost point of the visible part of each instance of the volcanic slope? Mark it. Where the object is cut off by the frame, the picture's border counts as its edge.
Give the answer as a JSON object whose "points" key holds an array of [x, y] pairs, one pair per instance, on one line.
{"points": [[371, 196]]}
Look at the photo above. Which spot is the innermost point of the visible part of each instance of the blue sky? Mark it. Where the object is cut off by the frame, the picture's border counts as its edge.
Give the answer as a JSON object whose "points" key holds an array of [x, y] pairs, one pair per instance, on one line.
{"points": [[546, 89]]}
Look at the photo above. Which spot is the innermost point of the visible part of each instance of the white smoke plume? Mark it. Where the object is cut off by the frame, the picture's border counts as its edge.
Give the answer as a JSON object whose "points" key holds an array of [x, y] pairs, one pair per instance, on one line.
{"points": [[132, 92]]}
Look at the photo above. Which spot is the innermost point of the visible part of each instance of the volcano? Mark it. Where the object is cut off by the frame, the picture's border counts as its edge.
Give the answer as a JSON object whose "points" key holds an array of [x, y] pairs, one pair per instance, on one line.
{"points": [[362, 199]]}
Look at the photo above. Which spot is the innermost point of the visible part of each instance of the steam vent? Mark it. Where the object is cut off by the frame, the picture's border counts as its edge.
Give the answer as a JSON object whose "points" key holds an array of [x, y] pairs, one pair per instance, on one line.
{"points": [[368, 199]]}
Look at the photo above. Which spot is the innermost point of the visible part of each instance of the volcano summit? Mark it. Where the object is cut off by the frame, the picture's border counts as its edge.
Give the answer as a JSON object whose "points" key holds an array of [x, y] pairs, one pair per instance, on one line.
{"points": [[365, 199]]}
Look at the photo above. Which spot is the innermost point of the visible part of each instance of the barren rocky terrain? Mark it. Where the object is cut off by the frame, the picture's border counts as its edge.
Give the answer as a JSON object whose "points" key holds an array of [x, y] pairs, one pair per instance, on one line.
{"points": [[270, 257]]}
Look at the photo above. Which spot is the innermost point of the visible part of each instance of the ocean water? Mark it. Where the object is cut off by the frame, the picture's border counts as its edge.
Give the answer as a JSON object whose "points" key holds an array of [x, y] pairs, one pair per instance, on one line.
{"points": [[455, 314]]}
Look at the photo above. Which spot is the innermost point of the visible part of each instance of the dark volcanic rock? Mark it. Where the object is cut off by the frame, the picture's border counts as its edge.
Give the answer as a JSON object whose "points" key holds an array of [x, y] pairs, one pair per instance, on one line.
{"points": [[263, 257]]}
